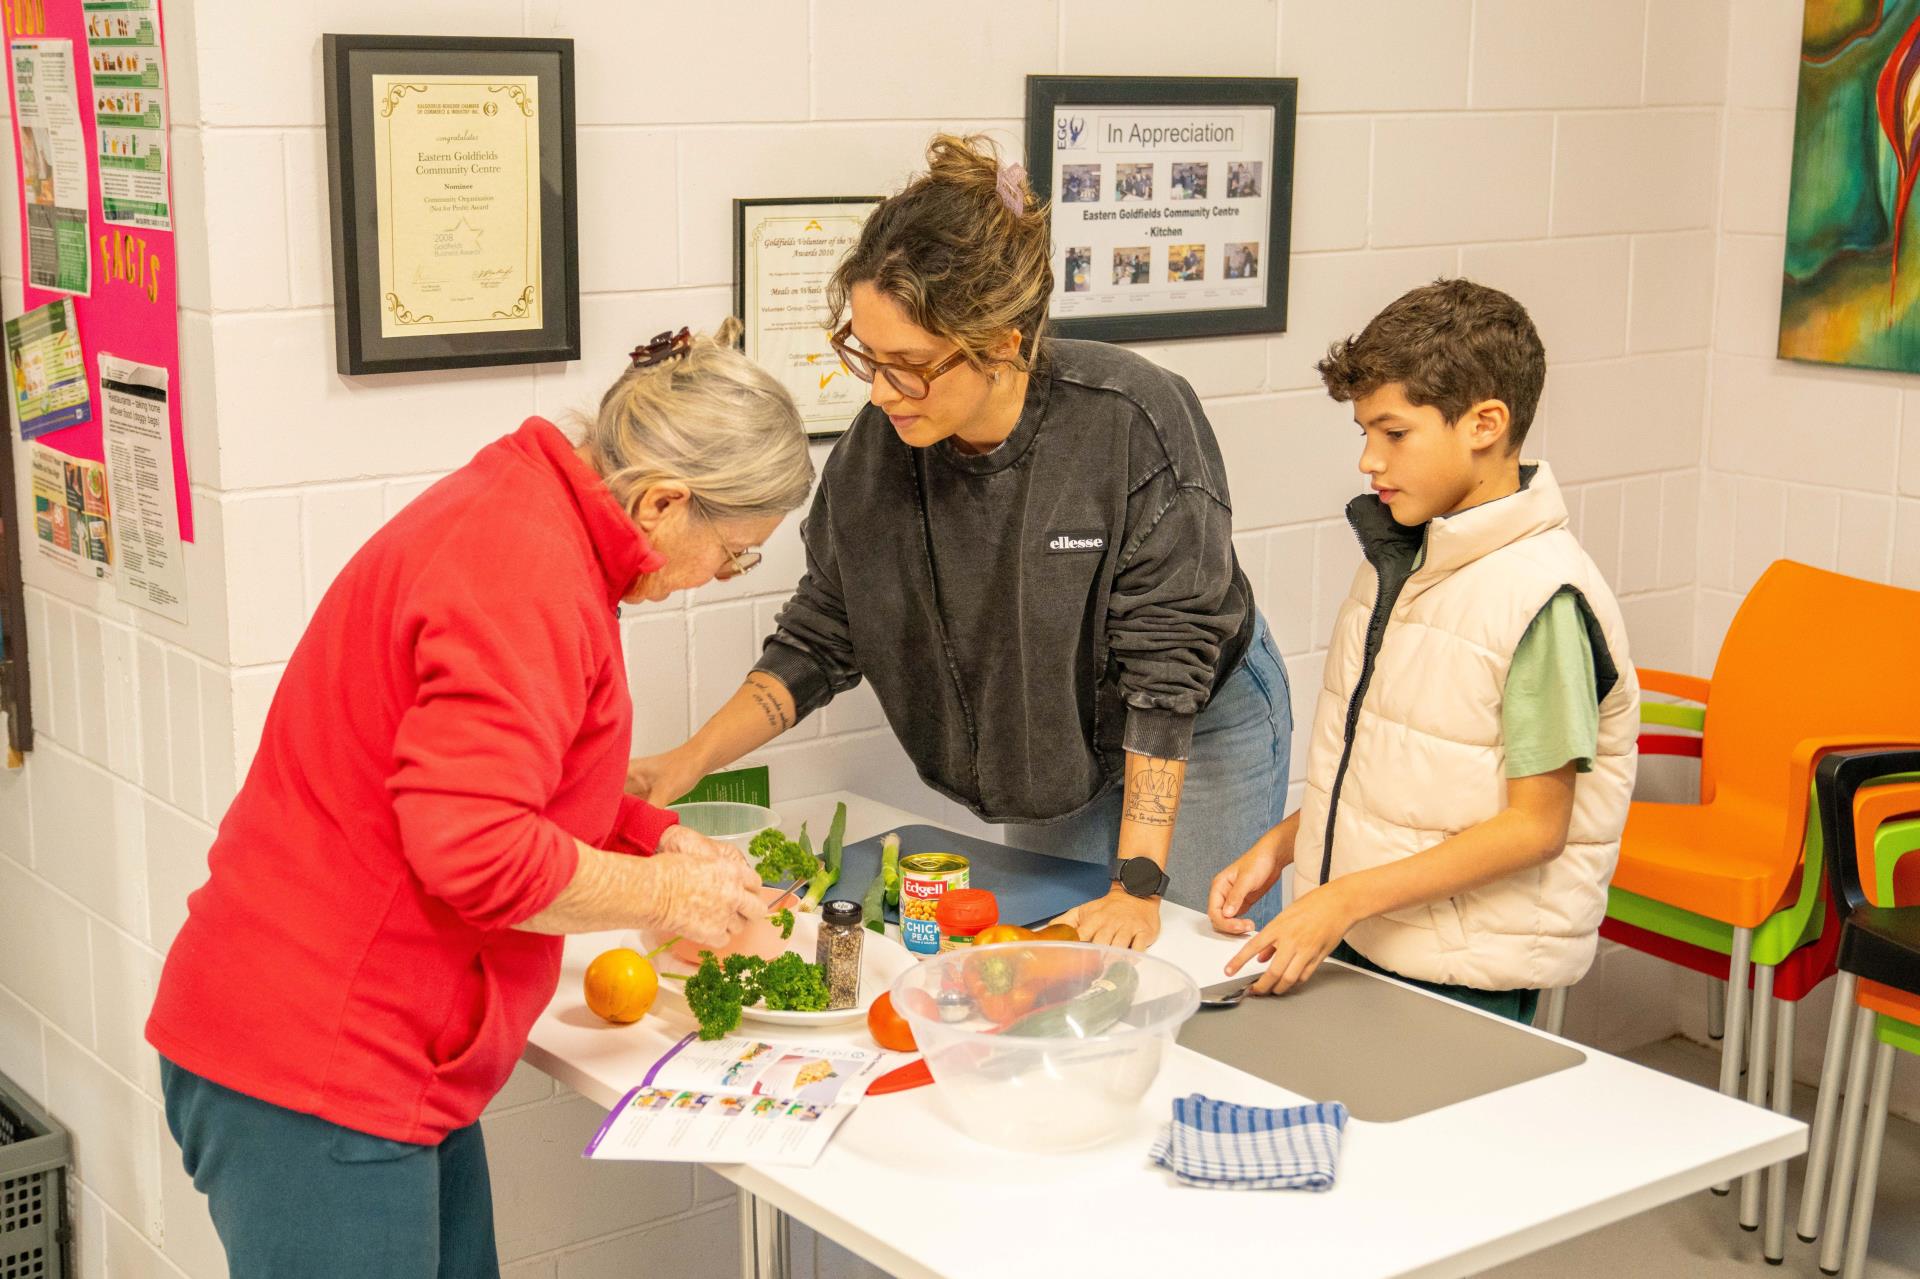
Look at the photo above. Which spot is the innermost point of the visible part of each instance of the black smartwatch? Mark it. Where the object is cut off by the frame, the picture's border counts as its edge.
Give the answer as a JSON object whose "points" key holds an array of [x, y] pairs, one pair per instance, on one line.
{"points": [[1141, 877]]}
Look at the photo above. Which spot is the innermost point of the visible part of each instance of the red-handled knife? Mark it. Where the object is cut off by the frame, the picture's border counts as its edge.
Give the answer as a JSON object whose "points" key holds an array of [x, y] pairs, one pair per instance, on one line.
{"points": [[901, 1078]]}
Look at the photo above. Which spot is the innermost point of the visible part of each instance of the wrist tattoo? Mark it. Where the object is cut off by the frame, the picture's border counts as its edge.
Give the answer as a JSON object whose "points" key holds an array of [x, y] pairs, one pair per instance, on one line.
{"points": [[1153, 794]]}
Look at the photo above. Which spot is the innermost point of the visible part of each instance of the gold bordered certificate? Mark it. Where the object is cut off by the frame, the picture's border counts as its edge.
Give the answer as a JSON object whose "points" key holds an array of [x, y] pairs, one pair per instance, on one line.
{"points": [[457, 183]]}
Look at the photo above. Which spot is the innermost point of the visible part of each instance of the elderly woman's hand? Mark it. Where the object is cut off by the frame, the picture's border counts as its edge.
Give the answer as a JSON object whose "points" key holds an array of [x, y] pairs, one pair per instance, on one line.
{"points": [[685, 841], [702, 897]]}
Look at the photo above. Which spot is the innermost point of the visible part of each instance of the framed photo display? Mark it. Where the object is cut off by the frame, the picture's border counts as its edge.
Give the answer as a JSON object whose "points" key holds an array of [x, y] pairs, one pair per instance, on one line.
{"points": [[784, 252], [450, 162], [1172, 202]]}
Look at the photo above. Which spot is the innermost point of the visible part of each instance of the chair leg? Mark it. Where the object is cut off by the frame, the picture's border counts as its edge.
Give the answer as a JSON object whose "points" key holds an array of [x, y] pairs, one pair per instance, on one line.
{"points": [[1860, 1225], [1553, 1011], [1846, 1163], [1763, 1002], [1735, 1027], [1820, 1144], [1773, 1241], [1717, 1011]]}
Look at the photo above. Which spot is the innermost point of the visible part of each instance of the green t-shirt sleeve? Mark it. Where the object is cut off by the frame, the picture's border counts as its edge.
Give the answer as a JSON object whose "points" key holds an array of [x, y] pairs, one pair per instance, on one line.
{"points": [[1550, 713]]}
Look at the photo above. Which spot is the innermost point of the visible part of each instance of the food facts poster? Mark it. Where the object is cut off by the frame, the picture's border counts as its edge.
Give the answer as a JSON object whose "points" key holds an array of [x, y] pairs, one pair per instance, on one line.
{"points": [[99, 67]]}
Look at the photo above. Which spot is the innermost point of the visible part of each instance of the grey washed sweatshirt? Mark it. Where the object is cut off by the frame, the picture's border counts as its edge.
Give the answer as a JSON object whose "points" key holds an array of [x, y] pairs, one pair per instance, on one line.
{"points": [[1027, 615]]}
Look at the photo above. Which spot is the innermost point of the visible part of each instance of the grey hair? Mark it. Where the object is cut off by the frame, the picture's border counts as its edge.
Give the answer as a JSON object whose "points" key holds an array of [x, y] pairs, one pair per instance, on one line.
{"points": [[711, 419]]}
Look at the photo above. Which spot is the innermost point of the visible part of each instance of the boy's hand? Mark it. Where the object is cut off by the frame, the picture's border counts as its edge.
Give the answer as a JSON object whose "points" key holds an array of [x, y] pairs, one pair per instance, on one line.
{"points": [[1298, 939], [1247, 879], [1118, 919]]}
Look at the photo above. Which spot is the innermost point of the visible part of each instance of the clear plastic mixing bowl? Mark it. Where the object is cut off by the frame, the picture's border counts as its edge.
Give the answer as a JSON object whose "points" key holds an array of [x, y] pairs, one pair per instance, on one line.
{"points": [[1044, 1045]]}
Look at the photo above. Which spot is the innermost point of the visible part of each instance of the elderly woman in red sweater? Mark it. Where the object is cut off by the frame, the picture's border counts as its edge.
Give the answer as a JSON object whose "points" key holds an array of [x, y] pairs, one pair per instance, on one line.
{"points": [[437, 797]]}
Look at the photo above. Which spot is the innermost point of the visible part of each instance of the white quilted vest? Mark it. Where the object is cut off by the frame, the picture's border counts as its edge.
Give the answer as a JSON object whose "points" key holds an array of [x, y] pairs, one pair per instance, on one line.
{"points": [[1427, 760]]}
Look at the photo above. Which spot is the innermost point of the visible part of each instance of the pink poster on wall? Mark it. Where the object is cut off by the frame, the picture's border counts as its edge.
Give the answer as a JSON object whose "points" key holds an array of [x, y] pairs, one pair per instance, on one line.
{"points": [[88, 85]]}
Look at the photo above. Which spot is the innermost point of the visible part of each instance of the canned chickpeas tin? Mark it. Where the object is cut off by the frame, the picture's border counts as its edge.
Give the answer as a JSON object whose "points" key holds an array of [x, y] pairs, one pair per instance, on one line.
{"points": [[924, 879]]}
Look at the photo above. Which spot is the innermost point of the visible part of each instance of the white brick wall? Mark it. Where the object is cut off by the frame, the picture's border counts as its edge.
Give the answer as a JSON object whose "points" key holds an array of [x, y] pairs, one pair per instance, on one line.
{"points": [[1583, 156]]}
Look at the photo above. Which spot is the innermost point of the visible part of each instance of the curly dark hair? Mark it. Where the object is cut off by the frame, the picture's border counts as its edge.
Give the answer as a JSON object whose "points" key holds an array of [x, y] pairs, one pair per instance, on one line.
{"points": [[1449, 344]]}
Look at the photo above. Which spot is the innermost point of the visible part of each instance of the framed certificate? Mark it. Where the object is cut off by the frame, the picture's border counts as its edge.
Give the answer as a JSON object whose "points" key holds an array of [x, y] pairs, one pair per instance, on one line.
{"points": [[1172, 202], [784, 252], [451, 166]]}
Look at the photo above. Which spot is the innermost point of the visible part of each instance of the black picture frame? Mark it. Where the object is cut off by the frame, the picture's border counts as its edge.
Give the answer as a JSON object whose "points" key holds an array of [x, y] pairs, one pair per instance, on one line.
{"points": [[1047, 94], [829, 428], [350, 63]]}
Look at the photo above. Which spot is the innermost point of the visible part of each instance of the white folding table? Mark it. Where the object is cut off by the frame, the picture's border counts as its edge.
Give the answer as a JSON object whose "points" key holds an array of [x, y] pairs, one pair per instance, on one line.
{"points": [[1449, 1192]]}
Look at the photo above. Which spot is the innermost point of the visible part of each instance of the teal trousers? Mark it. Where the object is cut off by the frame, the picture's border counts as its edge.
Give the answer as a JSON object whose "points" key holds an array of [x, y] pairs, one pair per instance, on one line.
{"points": [[296, 1197]]}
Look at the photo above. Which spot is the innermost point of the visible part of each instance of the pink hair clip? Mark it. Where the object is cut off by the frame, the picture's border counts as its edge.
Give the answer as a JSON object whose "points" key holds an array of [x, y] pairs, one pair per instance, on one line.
{"points": [[1012, 178]]}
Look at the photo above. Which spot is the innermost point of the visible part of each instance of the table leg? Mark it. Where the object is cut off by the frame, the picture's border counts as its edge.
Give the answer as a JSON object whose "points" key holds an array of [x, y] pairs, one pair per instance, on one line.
{"points": [[749, 1257], [765, 1239]]}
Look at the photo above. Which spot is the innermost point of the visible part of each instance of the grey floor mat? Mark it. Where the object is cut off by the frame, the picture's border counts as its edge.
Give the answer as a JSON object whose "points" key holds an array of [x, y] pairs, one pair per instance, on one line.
{"points": [[1386, 1051]]}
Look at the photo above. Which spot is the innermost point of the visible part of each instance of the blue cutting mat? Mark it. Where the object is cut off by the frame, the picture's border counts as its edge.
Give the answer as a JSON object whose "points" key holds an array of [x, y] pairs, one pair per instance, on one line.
{"points": [[1031, 887]]}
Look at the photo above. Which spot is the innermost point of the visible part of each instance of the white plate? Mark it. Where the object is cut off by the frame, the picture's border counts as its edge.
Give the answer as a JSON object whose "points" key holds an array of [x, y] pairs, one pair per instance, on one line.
{"points": [[882, 960]]}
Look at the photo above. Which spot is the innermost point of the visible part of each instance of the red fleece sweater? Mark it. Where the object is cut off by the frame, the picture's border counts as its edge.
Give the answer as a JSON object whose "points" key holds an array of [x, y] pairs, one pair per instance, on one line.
{"points": [[454, 717]]}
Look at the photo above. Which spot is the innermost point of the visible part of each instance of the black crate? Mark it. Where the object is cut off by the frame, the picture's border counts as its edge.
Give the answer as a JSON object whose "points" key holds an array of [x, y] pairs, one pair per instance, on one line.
{"points": [[35, 1230]]}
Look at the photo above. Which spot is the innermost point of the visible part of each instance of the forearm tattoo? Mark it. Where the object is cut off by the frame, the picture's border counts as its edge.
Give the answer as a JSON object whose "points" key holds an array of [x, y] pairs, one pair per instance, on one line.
{"points": [[776, 715], [1153, 793]]}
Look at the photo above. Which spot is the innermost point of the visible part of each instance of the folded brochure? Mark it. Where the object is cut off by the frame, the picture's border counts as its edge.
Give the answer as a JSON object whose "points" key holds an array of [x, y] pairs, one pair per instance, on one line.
{"points": [[740, 1100]]}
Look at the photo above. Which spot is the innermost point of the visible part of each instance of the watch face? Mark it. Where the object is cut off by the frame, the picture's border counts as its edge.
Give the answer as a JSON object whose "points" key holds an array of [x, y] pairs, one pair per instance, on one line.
{"points": [[1140, 877]]}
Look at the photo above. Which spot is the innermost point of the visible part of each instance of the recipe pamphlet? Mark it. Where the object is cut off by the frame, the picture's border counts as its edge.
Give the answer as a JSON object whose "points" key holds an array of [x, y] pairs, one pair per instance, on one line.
{"points": [[740, 1100]]}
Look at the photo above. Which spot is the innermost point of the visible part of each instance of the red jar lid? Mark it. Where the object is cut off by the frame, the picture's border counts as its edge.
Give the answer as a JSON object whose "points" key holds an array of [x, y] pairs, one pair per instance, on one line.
{"points": [[966, 911]]}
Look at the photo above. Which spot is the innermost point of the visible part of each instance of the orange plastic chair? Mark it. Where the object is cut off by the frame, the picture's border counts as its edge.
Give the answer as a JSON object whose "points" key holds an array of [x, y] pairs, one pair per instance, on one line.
{"points": [[1813, 661]]}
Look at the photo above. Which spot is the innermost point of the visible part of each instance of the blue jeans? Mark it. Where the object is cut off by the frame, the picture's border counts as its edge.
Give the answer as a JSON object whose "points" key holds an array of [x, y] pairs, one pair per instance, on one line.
{"points": [[1236, 787], [296, 1197]]}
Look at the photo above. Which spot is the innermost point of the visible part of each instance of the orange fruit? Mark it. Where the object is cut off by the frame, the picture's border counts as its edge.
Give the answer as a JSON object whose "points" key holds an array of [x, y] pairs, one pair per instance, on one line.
{"points": [[621, 985]]}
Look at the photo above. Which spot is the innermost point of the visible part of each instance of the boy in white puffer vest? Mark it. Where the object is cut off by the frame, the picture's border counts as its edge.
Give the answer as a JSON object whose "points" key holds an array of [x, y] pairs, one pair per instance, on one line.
{"points": [[1471, 761]]}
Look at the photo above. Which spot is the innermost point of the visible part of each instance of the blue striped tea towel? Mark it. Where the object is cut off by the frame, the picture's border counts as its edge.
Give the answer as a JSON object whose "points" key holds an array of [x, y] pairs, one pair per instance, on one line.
{"points": [[1221, 1146]]}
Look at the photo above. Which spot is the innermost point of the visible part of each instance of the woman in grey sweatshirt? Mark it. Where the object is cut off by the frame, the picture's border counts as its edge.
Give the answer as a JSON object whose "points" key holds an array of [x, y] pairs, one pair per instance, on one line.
{"points": [[1025, 545]]}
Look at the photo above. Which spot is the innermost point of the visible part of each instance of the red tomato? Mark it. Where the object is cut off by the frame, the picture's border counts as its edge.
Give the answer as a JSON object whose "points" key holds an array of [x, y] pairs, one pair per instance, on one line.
{"points": [[1001, 933], [888, 1028]]}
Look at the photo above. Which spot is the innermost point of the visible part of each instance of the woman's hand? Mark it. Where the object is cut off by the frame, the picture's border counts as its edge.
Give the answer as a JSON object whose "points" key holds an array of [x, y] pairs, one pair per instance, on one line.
{"points": [[661, 779], [1293, 945], [704, 898], [685, 841], [1118, 919]]}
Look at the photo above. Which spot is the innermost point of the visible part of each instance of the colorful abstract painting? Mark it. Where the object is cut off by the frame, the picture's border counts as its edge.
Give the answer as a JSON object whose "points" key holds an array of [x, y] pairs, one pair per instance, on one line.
{"points": [[1852, 289]]}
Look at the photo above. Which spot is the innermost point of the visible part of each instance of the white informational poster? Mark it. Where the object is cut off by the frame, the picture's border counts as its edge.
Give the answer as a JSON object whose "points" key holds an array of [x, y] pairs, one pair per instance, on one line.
{"points": [[130, 111], [53, 157], [152, 572], [1159, 210]]}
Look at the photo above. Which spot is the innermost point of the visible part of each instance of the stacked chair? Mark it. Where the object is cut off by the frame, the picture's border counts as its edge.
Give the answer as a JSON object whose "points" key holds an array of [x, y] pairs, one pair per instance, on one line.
{"points": [[1736, 886], [1870, 818]]}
